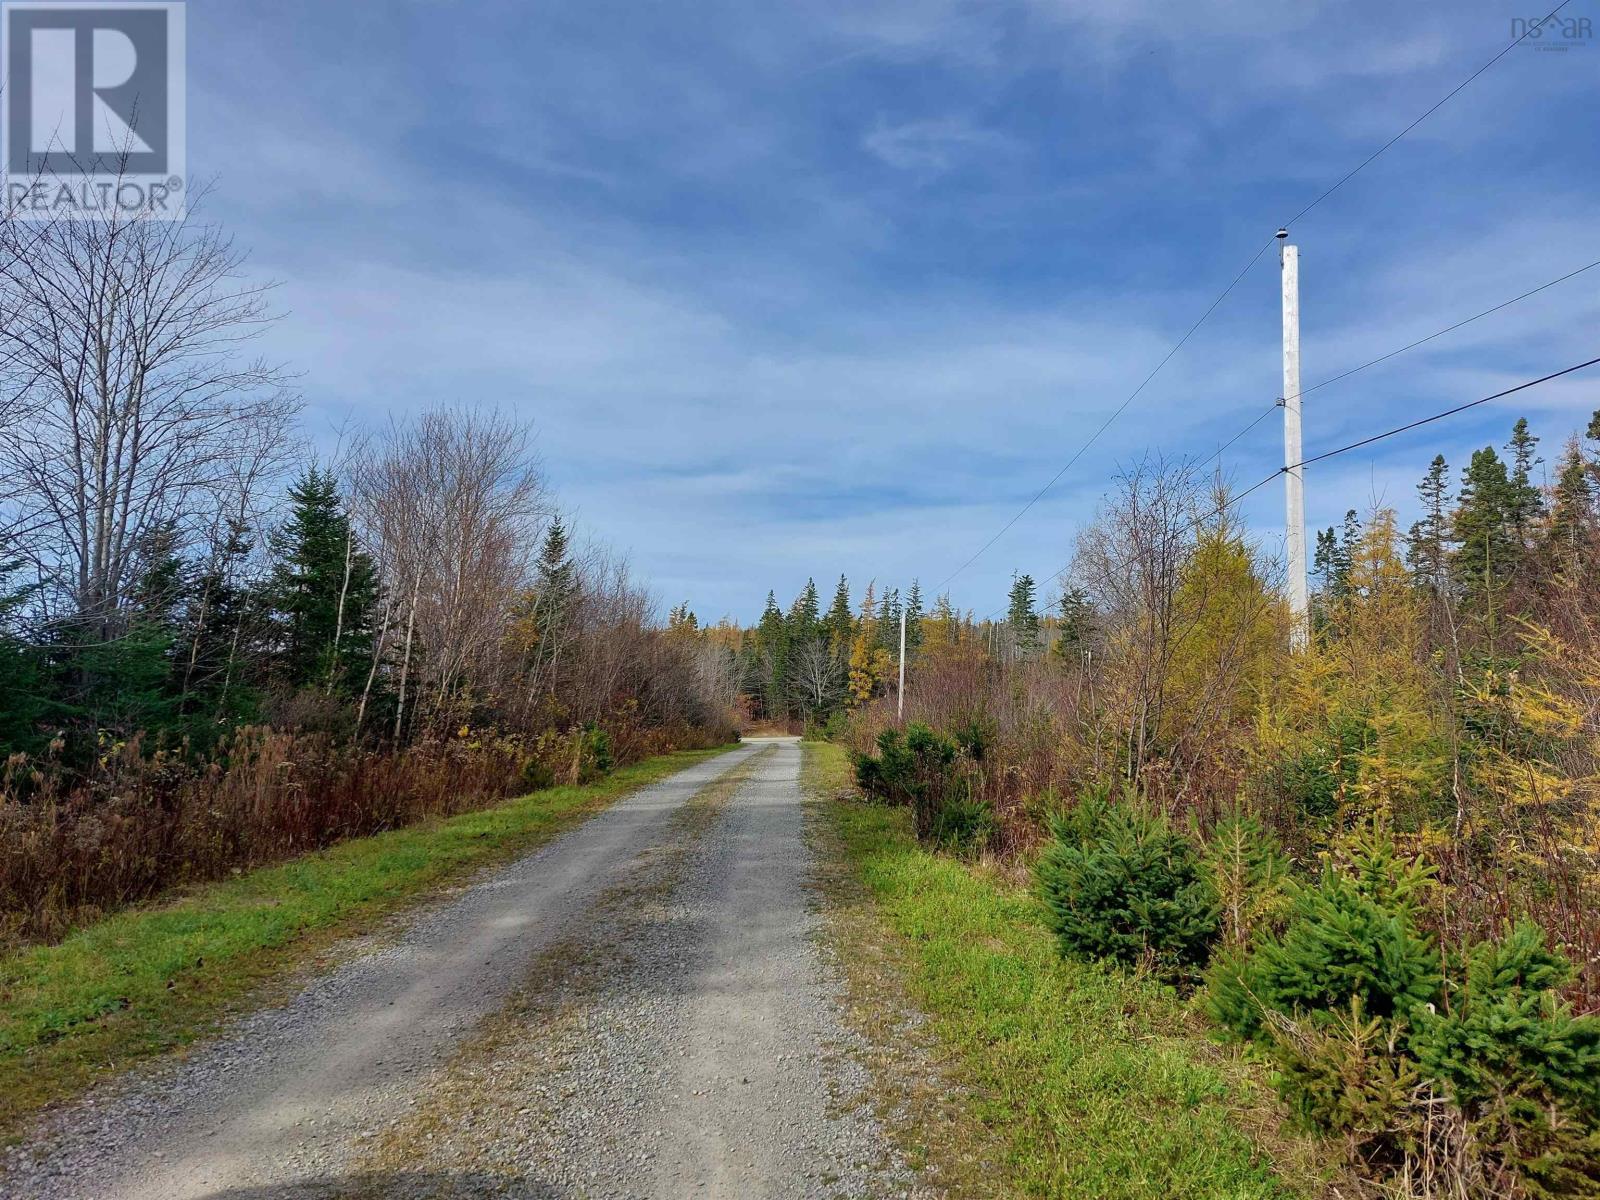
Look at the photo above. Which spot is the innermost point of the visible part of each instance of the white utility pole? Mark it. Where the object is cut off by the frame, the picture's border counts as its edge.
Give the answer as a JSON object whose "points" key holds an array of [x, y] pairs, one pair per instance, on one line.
{"points": [[1294, 484], [900, 695]]}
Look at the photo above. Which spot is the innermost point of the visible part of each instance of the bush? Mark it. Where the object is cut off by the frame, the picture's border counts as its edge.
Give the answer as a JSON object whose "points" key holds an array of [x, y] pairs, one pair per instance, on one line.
{"points": [[919, 770], [1484, 1076], [1524, 1071], [1251, 875], [537, 775], [1124, 885], [963, 825], [1349, 938], [75, 847], [594, 753]]}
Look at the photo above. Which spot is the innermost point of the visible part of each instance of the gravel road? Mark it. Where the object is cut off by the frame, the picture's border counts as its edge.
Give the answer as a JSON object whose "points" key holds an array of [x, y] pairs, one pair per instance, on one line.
{"points": [[637, 1009]]}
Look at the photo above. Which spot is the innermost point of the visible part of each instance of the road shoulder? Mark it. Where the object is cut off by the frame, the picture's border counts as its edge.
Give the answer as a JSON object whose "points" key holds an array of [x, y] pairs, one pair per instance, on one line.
{"points": [[157, 978], [1003, 1070]]}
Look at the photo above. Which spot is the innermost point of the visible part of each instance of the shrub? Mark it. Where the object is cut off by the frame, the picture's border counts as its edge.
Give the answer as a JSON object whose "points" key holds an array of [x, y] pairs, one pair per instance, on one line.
{"points": [[963, 825], [537, 775], [920, 769], [1485, 1078], [1523, 1070], [594, 753], [1350, 938], [1122, 884], [1251, 876], [74, 848]]}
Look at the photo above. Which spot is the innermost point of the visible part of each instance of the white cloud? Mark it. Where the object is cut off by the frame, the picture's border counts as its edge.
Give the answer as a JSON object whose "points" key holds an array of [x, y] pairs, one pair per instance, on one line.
{"points": [[933, 146]]}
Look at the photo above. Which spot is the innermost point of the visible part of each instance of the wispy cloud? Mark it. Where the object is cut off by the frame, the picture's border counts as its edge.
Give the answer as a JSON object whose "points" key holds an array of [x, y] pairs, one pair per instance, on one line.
{"points": [[810, 288], [935, 146]]}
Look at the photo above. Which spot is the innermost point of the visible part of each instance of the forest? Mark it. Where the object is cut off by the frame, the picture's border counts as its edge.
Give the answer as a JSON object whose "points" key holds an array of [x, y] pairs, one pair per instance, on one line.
{"points": [[224, 641], [1371, 862]]}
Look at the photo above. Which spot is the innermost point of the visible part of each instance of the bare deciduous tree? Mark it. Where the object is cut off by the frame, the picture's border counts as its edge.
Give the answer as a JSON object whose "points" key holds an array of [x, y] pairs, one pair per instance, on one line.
{"points": [[1130, 562], [453, 501], [133, 406]]}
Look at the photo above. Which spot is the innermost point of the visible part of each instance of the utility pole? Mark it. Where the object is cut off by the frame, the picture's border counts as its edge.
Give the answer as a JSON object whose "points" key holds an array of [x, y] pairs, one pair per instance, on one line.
{"points": [[1294, 474], [900, 694]]}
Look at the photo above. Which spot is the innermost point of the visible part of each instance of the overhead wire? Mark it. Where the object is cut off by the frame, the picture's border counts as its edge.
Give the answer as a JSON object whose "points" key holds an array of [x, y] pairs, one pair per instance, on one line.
{"points": [[1223, 295]]}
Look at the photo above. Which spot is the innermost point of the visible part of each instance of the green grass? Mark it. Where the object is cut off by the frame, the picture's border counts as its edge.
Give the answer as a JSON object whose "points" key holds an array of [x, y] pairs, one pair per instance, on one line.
{"points": [[1091, 1081], [154, 978]]}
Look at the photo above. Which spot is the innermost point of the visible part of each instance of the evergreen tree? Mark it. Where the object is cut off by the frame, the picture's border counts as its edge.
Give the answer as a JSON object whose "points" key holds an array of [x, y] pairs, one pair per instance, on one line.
{"points": [[23, 703], [1077, 623], [1573, 513], [839, 622], [1021, 617], [772, 649], [805, 615], [1525, 504], [555, 587], [1488, 551], [124, 685], [221, 631], [1426, 550], [913, 619], [1332, 558], [324, 588], [887, 627]]}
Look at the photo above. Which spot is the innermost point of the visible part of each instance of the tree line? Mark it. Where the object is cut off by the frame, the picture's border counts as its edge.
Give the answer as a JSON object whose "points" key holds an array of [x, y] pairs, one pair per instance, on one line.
{"points": [[176, 564]]}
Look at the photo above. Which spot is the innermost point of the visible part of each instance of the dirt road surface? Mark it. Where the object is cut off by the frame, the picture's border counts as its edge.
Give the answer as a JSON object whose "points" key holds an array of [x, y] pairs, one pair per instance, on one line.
{"points": [[638, 1009]]}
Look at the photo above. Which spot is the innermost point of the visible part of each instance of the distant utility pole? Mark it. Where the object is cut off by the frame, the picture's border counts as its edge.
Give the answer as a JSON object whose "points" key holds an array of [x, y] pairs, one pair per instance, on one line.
{"points": [[1294, 484], [900, 695]]}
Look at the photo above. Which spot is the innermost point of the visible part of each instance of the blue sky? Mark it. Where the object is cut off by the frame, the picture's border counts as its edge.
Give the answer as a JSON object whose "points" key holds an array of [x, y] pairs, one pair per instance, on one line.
{"points": [[808, 288]]}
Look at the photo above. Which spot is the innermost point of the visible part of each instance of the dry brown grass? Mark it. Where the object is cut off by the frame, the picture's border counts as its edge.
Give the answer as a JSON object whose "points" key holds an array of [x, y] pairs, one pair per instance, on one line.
{"points": [[137, 824]]}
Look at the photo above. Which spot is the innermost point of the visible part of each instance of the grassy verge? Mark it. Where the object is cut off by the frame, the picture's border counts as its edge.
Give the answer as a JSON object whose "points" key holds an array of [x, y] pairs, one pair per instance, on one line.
{"points": [[155, 978], [1058, 1078]]}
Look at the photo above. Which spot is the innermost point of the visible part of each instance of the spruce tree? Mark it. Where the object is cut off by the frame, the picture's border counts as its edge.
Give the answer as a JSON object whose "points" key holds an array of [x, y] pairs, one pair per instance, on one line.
{"points": [[1332, 558], [887, 626], [1524, 500], [1426, 549], [772, 649], [1487, 550], [23, 701], [1077, 622], [124, 684], [1572, 513], [805, 616], [1021, 616], [555, 587], [840, 622], [913, 619], [324, 589], [222, 629]]}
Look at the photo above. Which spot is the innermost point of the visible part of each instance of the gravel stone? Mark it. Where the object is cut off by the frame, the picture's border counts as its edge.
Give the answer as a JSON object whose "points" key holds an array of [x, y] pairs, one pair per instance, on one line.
{"points": [[639, 1009]]}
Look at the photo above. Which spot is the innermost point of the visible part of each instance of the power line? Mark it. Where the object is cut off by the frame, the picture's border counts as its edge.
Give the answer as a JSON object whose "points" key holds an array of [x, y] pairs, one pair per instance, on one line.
{"points": [[1449, 412], [1373, 157], [1106, 424], [1356, 445], [1349, 175], [1409, 346], [1450, 328]]}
